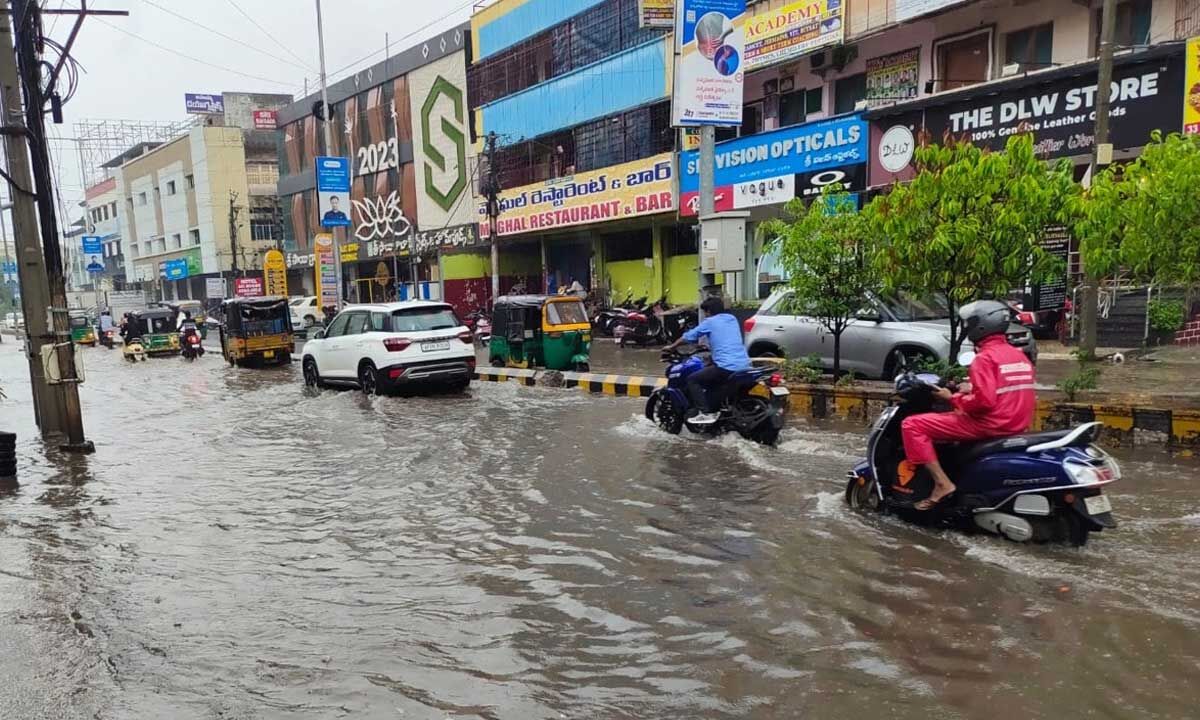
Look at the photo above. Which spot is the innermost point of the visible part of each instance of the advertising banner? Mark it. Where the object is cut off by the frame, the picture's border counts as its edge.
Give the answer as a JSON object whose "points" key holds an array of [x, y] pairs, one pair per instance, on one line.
{"points": [[793, 30], [442, 153], [1052, 295], [93, 252], [893, 78], [656, 13], [1191, 88], [324, 269], [214, 288], [200, 104], [275, 274], [755, 170], [642, 187], [175, 269], [248, 287], [265, 119], [710, 44], [333, 191]]}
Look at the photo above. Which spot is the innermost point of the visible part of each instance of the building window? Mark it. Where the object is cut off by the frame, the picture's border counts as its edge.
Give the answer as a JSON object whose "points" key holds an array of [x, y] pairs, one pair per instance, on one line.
{"points": [[262, 173], [133, 252], [1029, 48], [113, 206], [791, 108], [194, 236], [157, 194], [752, 118], [847, 92], [191, 181], [176, 241], [262, 230], [962, 60], [170, 187], [141, 199], [1131, 25], [161, 244]]}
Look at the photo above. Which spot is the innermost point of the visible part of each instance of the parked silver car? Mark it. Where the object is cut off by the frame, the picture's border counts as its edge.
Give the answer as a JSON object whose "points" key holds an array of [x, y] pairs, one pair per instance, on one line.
{"points": [[884, 335]]}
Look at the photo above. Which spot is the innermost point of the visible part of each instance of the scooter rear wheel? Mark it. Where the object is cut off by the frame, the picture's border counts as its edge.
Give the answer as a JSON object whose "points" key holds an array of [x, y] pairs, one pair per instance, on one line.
{"points": [[861, 495]]}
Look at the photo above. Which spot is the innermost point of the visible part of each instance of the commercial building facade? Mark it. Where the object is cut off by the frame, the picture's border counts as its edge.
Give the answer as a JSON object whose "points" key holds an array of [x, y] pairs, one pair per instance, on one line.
{"points": [[404, 124]]}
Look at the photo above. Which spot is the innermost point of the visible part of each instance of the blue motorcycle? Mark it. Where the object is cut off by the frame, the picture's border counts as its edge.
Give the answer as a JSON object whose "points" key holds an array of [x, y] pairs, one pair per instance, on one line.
{"points": [[754, 402], [1039, 487]]}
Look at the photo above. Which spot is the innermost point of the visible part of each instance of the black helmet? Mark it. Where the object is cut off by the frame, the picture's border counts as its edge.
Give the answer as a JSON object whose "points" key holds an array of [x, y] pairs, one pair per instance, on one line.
{"points": [[712, 306], [983, 318]]}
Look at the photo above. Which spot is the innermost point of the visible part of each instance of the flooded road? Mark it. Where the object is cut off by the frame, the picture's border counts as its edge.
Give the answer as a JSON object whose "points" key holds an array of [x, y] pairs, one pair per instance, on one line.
{"points": [[238, 548]]}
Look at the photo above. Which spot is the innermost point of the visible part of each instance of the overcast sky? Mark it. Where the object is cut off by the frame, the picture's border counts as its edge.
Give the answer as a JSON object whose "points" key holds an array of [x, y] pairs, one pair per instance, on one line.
{"points": [[128, 77]]}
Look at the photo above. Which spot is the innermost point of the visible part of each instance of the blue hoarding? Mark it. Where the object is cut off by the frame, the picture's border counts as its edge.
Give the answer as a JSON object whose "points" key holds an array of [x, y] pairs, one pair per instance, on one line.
{"points": [[175, 269], [202, 104], [333, 191], [788, 151], [91, 245]]}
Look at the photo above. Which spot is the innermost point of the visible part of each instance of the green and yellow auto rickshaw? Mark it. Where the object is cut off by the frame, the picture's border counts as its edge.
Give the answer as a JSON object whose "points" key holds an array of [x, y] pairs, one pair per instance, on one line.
{"points": [[550, 332], [82, 332], [157, 329], [257, 329]]}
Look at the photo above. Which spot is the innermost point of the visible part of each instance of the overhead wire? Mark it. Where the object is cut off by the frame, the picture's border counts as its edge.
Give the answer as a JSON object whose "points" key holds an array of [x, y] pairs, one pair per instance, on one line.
{"points": [[273, 39], [226, 36]]}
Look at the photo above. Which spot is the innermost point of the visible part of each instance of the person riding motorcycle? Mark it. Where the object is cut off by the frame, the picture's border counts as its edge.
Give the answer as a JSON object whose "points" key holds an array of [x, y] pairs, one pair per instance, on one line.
{"points": [[188, 328], [999, 400], [728, 356]]}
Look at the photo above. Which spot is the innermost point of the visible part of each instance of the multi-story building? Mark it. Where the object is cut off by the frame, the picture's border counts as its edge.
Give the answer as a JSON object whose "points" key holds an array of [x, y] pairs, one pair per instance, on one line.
{"points": [[101, 205], [577, 95], [202, 204], [405, 126]]}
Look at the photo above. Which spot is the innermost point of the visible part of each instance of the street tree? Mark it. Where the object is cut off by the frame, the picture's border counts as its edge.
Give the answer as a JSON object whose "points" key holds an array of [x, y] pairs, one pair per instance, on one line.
{"points": [[825, 249], [969, 224], [1144, 218]]}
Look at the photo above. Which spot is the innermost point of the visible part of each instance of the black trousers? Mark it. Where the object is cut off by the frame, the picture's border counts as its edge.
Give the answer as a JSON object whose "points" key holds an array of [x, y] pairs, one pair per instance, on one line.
{"points": [[710, 378]]}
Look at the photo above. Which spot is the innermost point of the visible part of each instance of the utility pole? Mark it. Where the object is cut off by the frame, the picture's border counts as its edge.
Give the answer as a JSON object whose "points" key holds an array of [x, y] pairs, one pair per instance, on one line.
{"points": [[491, 191], [233, 231], [708, 150], [328, 117], [1101, 156]]}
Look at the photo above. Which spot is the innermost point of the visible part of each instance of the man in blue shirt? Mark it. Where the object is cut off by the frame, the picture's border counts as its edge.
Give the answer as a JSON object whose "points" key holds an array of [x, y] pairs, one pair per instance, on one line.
{"points": [[728, 356]]}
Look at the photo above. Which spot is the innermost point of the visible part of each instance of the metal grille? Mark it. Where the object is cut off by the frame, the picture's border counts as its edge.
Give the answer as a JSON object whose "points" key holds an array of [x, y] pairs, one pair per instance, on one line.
{"points": [[593, 35], [1187, 18]]}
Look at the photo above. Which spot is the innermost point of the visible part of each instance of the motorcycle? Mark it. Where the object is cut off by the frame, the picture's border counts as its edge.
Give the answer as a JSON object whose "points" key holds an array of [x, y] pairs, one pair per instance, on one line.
{"points": [[754, 402], [642, 327], [1040, 487], [107, 338], [190, 344], [677, 321], [481, 327], [605, 321]]}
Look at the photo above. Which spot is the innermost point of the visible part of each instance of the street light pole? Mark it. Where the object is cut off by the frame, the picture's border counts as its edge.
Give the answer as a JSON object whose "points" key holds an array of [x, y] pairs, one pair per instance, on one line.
{"points": [[1101, 155], [337, 245]]}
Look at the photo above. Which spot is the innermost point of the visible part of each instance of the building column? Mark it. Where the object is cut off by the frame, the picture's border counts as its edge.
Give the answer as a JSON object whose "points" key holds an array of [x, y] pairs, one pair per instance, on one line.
{"points": [[658, 260]]}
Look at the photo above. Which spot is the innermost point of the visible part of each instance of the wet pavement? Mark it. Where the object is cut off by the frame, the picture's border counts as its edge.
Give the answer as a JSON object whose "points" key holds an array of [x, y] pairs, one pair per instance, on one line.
{"points": [[240, 548]]}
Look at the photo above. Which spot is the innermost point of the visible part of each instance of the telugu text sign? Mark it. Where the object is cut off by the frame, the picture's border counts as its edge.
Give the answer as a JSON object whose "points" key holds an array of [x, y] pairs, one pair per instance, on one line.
{"points": [[642, 187], [793, 30]]}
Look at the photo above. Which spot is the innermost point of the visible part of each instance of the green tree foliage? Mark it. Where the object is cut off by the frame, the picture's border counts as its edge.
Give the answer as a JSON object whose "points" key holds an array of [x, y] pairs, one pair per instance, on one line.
{"points": [[826, 249], [968, 225], [1144, 217]]}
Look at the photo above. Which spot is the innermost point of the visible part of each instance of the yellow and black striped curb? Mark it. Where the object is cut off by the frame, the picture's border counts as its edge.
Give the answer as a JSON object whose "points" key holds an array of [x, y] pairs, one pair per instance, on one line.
{"points": [[599, 383], [517, 375]]}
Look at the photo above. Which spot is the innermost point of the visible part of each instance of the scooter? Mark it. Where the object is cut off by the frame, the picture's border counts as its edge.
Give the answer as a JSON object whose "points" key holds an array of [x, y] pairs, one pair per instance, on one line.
{"points": [[677, 321], [107, 338], [754, 402], [190, 345], [1039, 487], [642, 327], [605, 322], [481, 327], [134, 350]]}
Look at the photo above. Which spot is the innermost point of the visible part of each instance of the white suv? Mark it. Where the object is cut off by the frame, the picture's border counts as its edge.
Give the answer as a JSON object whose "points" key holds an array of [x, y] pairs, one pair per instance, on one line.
{"points": [[379, 348], [306, 312]]}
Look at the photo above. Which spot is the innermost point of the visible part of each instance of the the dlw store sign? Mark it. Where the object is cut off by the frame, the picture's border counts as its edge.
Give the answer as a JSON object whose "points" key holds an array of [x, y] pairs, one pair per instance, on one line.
{"points": [[1057, 106]]}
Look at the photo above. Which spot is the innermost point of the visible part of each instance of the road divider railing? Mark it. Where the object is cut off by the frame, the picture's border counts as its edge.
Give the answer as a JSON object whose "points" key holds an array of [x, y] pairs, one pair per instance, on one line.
{"points": [[1124, 423]]}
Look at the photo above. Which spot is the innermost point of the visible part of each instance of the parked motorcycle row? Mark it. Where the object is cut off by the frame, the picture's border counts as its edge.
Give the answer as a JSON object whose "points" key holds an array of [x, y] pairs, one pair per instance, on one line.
{"points": [[636, 322]]}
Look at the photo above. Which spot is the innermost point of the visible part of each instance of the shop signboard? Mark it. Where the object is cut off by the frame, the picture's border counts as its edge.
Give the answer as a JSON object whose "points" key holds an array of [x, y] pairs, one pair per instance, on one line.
{"points": [[710, 45], [793, 30], [642, 187], [893, 78], [1191, 88], [176, 269], [325, 270], [773, 167], [265, 119], [275, 274], [656, 13], [214, 288], [1052, 295], [333, 191], [450, 239], [442, 152], [248, 287], [1057, 108], [202, 104]]}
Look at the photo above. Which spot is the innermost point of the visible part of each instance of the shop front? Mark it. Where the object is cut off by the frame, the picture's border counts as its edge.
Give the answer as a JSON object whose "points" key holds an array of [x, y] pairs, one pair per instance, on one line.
{"points": [[605, 229], [761, 173]]}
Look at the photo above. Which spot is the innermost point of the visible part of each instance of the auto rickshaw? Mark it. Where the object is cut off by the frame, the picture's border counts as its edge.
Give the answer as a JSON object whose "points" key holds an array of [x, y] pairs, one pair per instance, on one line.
{"points": [[155, 327], [257, 330], [195, 308], [551, 332], [82, 332]]}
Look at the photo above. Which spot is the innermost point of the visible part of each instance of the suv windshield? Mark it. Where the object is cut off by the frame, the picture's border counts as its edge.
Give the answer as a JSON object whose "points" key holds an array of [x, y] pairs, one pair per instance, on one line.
{"points": [[908, 308], [423, 319]]}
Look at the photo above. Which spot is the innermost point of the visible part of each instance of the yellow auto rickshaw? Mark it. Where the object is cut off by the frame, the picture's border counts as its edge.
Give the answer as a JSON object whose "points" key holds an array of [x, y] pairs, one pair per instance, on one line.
{"points": [[548, 331], [257, 329]]}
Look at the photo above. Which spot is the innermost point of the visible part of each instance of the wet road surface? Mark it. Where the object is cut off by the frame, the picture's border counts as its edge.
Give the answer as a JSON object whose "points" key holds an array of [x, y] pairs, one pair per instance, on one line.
{"points": [[238, 548]]}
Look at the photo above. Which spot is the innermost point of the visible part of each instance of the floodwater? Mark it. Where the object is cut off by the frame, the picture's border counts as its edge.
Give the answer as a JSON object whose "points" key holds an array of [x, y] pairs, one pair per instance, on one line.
{"points": [[239, 548]]}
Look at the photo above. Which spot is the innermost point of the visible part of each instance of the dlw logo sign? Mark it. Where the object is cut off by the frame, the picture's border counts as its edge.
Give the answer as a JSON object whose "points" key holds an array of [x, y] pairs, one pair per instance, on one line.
{"points": [[452, 133]]}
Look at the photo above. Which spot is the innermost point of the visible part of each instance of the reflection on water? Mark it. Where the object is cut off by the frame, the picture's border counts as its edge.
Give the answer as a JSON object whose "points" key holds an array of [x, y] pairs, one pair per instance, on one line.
{"points": [[240, 549]]}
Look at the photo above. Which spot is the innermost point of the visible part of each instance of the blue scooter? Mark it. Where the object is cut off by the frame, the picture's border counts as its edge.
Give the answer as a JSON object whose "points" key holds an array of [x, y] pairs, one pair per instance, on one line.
{"points": [[754, 402], [1039, 487]]}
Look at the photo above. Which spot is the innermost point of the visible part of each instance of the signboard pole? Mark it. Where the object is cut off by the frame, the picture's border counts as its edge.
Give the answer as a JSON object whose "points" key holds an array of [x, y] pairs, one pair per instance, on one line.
{"points": [[1101, 155], [337, 245]]}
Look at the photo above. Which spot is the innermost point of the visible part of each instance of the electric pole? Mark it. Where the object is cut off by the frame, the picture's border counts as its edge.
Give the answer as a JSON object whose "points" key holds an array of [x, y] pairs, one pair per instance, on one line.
{"points": [[326, 118], [44, 299], [491, 191], [233, 231], [1101, 156], [708, 150]]}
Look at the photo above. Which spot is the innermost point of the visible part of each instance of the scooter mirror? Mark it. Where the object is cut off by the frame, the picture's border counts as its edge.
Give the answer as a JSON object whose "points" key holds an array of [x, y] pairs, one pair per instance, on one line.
{"points": [[966, 358]]}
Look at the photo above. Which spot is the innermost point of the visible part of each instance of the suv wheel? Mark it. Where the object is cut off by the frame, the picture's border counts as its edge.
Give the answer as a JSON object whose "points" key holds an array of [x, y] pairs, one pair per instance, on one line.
{"points": [[368, 379], [312, 378]]}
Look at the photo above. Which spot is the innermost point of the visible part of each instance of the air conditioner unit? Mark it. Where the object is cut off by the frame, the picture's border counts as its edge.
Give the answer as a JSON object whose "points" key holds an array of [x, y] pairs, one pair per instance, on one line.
{"points": [[821, 61]]}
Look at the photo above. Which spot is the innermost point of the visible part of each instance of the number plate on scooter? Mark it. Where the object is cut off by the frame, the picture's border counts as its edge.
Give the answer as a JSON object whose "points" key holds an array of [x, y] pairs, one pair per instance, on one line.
{"points": [[779, 391], [1097, 504]]}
